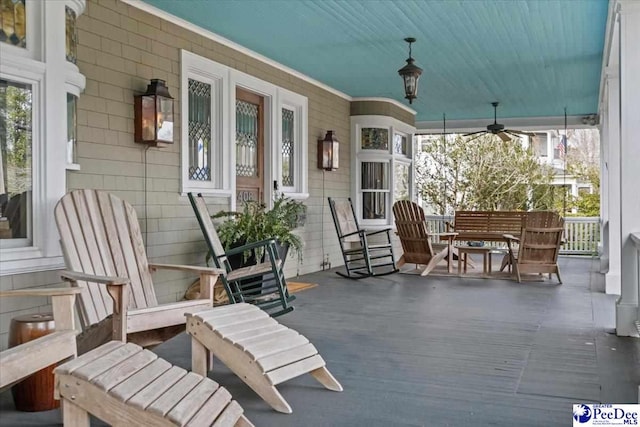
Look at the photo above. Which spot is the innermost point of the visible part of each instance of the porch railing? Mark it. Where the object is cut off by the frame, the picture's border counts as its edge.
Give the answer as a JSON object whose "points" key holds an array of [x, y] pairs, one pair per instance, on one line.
{"points": [[581, 234], [635, 238]]}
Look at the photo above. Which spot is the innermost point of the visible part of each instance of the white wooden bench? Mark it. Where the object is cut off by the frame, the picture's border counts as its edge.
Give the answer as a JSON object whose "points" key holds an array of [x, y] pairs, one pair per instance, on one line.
{"points": [[123, 384], [261, 351]]}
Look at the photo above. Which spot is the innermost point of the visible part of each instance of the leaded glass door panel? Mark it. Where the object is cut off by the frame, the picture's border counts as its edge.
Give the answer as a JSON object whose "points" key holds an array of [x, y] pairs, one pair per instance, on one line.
{"points": [[249, 146]]}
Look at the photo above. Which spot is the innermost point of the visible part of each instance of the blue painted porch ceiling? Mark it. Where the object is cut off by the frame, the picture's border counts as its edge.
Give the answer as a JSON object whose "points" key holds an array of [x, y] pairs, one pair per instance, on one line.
{"points": [[534, 56]]}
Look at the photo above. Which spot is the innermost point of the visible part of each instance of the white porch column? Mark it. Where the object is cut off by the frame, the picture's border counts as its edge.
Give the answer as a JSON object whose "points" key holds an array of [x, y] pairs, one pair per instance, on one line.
{"points": [[613, 276], [627, 305], [603, 250]]}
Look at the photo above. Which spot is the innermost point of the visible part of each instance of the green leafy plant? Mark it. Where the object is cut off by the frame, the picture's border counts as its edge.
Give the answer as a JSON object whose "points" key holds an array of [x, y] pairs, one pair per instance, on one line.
{"points": [[255, 223]]}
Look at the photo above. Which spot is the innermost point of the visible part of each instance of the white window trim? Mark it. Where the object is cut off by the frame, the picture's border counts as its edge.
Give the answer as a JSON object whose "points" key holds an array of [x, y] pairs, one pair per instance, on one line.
{"points": [[43, 65], [198, 68], [34, 35], [360, 155], [299, 105], [275, 98]]}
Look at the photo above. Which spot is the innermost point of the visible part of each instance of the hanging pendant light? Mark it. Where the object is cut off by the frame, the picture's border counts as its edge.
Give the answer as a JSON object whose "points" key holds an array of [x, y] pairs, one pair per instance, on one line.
{"points": [[410, 74]]}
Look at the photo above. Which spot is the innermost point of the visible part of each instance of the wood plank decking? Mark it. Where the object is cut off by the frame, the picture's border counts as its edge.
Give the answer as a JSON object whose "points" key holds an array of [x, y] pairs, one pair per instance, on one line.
{"points": [[441, 351]]}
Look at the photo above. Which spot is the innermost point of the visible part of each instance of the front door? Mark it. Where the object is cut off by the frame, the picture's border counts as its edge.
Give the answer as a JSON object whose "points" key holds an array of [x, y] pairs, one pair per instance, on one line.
{"points": [[249, 146]]}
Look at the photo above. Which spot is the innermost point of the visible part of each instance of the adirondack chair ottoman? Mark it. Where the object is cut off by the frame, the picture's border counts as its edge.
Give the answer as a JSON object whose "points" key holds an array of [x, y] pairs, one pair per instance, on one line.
{"points": [[123, 384], [257, 348]]}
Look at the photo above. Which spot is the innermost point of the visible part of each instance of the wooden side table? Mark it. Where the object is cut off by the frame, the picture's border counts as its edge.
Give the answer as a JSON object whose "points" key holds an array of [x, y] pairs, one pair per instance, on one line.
{"points": [[34, 393], [463, 257]]}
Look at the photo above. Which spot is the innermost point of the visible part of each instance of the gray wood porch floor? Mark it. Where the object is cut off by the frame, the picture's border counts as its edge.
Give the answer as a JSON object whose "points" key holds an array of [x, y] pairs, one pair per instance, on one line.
{"points": [[441, 351]]}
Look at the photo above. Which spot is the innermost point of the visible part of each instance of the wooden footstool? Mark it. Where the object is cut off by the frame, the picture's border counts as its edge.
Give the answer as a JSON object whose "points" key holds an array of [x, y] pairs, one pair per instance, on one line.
{"points": [[123, 384], [258, 349], [463, 257]]}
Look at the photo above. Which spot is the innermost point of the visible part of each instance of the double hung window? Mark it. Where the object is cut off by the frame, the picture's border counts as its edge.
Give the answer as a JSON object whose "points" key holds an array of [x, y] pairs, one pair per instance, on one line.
{"points": [[39, 88], [383, 165]]}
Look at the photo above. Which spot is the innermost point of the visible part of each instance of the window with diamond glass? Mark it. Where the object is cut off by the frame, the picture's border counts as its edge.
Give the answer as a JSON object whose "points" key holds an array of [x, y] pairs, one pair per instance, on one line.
{"points": [[13, 22], [246, 139], [399, 144], [375, 139], [199, 131], [288, 146], [71, 35]]}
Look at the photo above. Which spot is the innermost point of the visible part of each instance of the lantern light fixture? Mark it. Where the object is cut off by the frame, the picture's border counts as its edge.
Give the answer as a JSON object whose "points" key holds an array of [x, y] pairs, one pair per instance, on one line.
{"points": [[328, 150], [153, 115], [410, 74]]}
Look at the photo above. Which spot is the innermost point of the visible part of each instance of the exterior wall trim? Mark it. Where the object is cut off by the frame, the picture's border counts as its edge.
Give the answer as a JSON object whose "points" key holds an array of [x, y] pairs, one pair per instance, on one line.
{"points": [[387, 100], [528, 123], [224, 41]]}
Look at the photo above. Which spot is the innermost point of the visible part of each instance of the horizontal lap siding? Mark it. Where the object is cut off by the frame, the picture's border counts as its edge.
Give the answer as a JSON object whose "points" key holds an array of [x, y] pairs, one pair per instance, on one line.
{"points": [[120, 49]]}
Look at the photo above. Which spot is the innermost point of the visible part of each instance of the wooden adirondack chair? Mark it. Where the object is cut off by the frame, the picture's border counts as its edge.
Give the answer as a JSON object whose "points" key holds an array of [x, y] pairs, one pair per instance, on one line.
{"points": [[363, 256], [538, 250], [543, 219], [25, 359], [533, 219], [415, 238], [106, 259], [262, 284]]}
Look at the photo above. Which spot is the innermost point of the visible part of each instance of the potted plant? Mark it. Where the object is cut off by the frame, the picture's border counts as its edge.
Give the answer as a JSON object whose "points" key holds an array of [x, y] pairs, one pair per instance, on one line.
{"points": [[255, 223]]}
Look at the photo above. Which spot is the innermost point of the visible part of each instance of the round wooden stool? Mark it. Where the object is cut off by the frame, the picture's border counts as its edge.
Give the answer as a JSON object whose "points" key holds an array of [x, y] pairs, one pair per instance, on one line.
{"points": [[35, 393]]}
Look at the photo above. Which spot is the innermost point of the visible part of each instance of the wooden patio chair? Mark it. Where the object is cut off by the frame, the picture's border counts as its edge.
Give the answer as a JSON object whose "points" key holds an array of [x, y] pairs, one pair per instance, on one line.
{"points": [[262, 284], [538, 249], [18, 362], [534, 219], [363, 257], [105, 257], [543, 219], [411, 228]]}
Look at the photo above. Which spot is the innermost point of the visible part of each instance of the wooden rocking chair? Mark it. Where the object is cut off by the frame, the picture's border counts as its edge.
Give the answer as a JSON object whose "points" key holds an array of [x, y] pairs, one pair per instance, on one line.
{"points": [[262, 284], [106, 259], [412, 230], [362, 257]]}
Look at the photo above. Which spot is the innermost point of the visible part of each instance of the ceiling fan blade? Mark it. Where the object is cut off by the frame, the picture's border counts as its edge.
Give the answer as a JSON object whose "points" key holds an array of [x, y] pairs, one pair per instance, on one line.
{"points": [[474, 133], [477, 135], [504, 136], [520, 132]]}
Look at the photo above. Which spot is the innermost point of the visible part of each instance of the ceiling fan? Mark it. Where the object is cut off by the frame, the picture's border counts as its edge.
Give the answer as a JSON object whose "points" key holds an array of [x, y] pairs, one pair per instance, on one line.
{"points": [[498, 129]]}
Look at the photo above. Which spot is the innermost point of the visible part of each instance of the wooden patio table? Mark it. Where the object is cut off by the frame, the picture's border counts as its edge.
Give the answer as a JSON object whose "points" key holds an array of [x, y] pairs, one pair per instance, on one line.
{"points": [[486, 226]]}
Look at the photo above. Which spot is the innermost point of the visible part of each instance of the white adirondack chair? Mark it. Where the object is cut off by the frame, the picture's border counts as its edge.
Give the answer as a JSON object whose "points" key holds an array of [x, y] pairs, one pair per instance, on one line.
{"points": [[19, 362], [105, 257]]}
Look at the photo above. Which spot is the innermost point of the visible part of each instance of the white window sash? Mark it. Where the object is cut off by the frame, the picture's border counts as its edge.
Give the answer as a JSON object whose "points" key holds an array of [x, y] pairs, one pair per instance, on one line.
{"points": [[299, 105], [360, 156], [197, 68]]}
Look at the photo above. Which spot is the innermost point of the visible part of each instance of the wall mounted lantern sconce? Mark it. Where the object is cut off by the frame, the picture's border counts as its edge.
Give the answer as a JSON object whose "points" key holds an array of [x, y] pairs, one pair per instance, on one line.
{"points": [[153, 115], [410, 74], [328, 150]]}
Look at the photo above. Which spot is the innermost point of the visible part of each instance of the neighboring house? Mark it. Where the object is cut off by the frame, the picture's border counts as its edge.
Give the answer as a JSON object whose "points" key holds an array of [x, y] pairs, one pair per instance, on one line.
{"points": [[551, 147]]}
